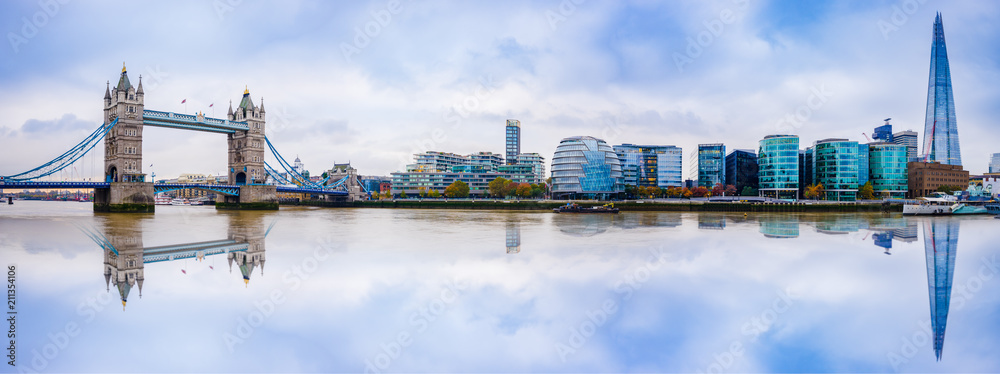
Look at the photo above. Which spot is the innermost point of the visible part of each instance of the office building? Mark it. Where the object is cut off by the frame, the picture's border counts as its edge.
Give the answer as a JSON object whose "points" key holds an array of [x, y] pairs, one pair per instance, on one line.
{"points": [[995, 163], [923, 178], [807, 175], [778, 164], [711, 164], [741, 169], [887, 170], [650, 165], [940, 125], [862, 164], [883, 133], [908, 139], [837, 168], [513, 140], [585, 167]]}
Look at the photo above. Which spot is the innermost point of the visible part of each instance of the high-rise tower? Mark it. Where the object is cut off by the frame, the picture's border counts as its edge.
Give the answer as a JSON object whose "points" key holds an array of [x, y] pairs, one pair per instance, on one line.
{"points": [[513, 141], [940, 126]]}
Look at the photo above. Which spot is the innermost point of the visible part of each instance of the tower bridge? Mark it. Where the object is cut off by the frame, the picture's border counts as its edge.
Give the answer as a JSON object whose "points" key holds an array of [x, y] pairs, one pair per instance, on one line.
{"points": [[253, 183]]}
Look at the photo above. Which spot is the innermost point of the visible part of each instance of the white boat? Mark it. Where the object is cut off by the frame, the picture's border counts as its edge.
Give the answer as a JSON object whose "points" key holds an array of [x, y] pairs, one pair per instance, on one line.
{"points": [[941, 204], [162, 199], [179, 201]]}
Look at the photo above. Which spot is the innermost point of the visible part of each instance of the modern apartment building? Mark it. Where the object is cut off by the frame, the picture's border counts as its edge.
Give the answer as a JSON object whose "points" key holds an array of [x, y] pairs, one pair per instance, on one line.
{"points": [[513, 136]]}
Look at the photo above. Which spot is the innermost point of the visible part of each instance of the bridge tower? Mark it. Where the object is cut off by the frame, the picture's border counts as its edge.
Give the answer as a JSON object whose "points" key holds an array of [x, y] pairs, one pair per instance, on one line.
{"points": [[125, 268], [249, 230], [129, 191], [246, 159]]}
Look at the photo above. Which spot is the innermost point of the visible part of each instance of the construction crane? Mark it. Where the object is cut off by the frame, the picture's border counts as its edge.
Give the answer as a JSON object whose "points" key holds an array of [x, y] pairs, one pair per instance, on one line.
{"points": [[866, 137]]}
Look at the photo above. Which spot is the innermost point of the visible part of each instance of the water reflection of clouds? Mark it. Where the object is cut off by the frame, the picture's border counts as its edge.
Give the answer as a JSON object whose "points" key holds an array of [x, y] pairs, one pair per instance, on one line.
{"points": [[852, 306]]}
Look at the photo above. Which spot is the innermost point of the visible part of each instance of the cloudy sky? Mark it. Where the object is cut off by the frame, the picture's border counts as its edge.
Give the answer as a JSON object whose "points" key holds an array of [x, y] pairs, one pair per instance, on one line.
{"points": [[374, 82]]}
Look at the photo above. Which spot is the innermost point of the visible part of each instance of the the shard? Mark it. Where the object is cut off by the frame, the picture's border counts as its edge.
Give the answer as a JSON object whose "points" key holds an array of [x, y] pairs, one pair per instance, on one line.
{"points": [[940, 126], [940, 247]]}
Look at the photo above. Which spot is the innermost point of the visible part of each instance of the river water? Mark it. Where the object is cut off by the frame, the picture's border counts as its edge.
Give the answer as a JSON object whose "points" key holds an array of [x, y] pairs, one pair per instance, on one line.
{"points": [[386, 290]]}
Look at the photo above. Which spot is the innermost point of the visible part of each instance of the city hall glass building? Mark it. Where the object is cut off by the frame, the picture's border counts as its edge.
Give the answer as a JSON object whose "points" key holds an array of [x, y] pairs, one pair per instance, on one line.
{"points": [[650, 165], [586, 167], [887, 169], [778, 163], [837, 166]]}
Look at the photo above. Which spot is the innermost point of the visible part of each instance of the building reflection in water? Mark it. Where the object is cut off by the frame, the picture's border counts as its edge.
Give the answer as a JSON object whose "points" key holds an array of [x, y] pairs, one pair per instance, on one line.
{"points": [[125, 256], [779, 226], [513, 237], [887, 230], [940, 247], [711, 222]]}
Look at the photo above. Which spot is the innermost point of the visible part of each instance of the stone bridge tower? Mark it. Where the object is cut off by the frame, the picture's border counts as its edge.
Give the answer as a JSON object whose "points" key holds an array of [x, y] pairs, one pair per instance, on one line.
{"points": [[246, 148], [124, 269], [250, 230], [129, 191]]}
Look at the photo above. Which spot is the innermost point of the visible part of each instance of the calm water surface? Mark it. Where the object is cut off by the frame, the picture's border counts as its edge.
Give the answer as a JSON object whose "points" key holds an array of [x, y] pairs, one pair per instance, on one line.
{"points": [[307, 289]]}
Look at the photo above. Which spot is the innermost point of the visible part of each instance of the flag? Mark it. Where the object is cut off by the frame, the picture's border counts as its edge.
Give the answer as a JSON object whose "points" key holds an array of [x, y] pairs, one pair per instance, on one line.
{"points": [[184, 101], [211, 105]]}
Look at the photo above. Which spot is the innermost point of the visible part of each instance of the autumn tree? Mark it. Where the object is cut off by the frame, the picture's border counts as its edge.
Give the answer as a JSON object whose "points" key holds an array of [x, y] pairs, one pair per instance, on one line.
{"points": [[497, 187], [523, 190], [866, 192], [457, 189]]}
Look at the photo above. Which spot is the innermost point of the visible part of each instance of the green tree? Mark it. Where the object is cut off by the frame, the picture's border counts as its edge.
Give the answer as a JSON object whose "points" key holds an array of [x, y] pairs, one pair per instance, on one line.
{"points": [[748, 191], [537, 192], [457, 189], [434, 194], [422, 191], [866, 192], [402, 194], [496, 186]]}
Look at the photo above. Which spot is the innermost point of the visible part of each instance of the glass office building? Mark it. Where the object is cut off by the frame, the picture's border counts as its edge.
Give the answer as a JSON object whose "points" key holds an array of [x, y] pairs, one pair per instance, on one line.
{"points": [[586, 167], [513, 140], [711, 164], [778, 163], [836, 163], [887, 169], [741, 169], [995, 163], [806, 173], [862, 164], [940, 125], [650, 165]]}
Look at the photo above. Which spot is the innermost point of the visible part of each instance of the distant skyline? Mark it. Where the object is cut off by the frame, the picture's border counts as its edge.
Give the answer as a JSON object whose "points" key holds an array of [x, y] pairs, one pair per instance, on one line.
{"points": [[374, 82]]}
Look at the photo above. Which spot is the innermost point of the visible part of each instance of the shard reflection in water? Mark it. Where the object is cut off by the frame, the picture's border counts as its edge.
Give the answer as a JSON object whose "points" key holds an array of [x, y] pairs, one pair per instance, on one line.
{"points": [[940, 246], [125, 256]]}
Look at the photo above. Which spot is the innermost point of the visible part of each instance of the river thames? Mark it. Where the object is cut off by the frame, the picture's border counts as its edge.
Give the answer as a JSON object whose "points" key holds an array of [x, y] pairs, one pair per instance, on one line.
{"points": [[397, 290]]}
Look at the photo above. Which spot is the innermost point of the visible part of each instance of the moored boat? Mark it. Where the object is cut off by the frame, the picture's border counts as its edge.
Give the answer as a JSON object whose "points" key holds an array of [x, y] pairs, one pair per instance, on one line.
{"points": [[575, 208], [161, 199], [992, 208], [179, 201]]}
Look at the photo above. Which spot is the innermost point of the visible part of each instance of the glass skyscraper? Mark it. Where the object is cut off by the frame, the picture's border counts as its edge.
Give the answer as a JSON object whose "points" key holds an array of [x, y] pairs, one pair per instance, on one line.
{"points": [[513, 140], [585, 167], [778, 161], [887, 169], [940, 247], [837, 168], [711, 164], [741, 169], [940, 126], [650, 165]]}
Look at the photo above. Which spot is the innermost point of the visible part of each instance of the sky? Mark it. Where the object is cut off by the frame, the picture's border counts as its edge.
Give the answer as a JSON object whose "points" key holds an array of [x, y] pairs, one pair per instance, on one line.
{"points": [[372, 83]]}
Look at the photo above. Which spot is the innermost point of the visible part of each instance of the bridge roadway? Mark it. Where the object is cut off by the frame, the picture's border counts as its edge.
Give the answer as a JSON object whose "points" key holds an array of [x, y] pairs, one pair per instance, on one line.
{"points": [[225, 189]]}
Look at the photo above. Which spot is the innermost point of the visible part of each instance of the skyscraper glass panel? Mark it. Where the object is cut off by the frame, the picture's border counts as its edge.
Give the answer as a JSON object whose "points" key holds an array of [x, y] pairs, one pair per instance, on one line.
{"points": [[513, 140], [778, 163], [887, 169], [650, 165], [940, 248], [837, 168], [587, 167], [711, 164], [940, 126]]}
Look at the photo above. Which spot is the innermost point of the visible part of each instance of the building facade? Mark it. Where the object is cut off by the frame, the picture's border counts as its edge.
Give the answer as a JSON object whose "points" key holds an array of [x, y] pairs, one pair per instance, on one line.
{"points": [[887, 170], [535, 162], [863, 172], [433, 161], [741, 169], [488, 160], [807, 164], [513, 137], [923, 178], [837, 165], [650, 165], [883, 133], [908, 139], [940, 126], [711, 164], [778, 162], [995, 163], [585, 167]]}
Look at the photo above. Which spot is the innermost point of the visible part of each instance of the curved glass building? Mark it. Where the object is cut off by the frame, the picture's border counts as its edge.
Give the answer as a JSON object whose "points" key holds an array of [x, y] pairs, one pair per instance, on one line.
{"points": [[778, 164], [837, 168], [887, 168], [585, 167]]}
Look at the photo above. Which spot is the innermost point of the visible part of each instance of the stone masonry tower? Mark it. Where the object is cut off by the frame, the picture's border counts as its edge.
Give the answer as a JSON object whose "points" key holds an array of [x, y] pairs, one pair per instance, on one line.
{"points": [[246, 149], [123, 144]]}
